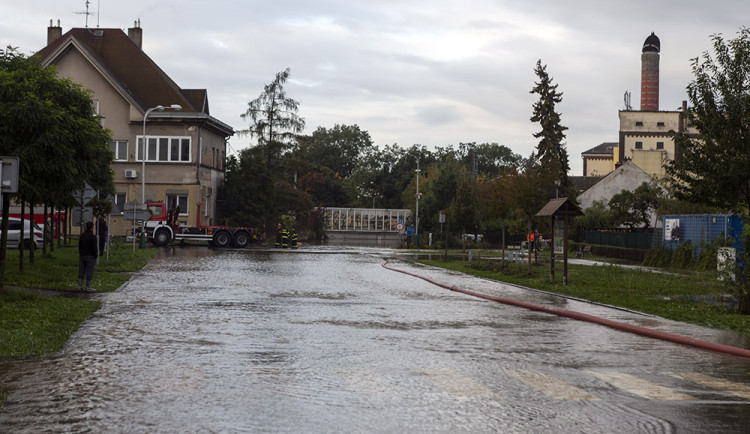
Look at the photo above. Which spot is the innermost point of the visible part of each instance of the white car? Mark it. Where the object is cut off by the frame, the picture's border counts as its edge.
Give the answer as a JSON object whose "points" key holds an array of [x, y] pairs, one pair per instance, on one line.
{"points": [[14, 233]]}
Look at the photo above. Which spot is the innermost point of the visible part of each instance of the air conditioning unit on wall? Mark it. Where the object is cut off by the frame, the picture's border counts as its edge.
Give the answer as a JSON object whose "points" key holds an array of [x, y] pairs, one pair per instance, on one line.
{"points": [[131, 174]]}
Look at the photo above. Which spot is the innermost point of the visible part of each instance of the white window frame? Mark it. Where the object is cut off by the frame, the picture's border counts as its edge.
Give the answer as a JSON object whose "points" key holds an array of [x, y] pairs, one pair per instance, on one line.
{"points": [[119, 146], [182, 202], [120, 200], [165, 149]]}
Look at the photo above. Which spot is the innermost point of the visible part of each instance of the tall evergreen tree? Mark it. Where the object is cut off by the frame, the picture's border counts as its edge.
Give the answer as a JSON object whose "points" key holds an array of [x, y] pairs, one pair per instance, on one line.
{"points": [[274, 122], [551, 152]]}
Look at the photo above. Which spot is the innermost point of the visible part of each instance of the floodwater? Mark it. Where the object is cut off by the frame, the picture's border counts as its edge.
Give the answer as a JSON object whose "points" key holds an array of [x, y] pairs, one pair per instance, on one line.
{"points": [[327, 340]]}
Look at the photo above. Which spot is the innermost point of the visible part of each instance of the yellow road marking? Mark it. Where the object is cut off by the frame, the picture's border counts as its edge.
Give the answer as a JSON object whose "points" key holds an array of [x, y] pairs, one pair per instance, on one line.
{"points": [[640, 387], [457, 384], [737, 389], [550, 386]]}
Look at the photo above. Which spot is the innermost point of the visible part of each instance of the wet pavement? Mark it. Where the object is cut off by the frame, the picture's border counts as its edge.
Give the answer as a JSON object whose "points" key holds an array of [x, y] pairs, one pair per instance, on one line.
{"points": [[327, 340]]}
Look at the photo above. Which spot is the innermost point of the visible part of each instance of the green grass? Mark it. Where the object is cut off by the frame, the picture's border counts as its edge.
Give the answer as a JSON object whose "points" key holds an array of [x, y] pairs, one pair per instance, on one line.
{"points": [[696, 299], [34, 325], [59, 269]]}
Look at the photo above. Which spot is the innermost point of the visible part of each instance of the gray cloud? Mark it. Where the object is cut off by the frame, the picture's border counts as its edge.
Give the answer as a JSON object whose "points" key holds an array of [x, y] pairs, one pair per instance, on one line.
{"points": [[412, 71]]}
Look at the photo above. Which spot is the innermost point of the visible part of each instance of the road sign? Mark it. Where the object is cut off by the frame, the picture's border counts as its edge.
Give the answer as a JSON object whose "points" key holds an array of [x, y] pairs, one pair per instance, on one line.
{"points": [[84, 196], [400, 227], [410, 230], [137, 215], [9, 174]]}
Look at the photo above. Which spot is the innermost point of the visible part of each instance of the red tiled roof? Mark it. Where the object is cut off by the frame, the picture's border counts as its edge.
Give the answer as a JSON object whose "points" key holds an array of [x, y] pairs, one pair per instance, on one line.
{"points": [[132, 70]]}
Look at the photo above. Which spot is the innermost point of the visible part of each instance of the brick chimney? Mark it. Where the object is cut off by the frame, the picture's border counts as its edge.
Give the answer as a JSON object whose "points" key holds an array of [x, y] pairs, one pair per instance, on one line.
{"points": [[650, 73], [53, 33], [136, 33]]}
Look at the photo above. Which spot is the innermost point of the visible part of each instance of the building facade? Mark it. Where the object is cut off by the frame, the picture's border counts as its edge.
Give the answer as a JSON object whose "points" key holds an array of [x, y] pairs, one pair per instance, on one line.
{"points": [[185, 149]]}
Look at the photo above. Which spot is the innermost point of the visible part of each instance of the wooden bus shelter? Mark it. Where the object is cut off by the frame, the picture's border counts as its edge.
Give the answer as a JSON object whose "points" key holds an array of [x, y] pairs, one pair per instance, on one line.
{"points": [[562, 208]]}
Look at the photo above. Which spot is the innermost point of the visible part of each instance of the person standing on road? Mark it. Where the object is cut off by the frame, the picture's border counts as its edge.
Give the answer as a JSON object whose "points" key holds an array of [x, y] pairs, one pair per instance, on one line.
{"points": [[88, 251]]}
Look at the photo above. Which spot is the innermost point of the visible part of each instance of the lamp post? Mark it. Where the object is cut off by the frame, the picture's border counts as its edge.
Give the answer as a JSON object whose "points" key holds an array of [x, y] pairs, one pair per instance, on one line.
{"points": [[416, 210], [143, 160], [145, 146], [557, 188]]}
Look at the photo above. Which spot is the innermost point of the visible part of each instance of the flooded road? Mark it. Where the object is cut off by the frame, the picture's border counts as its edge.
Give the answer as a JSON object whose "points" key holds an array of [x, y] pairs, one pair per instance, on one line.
{"points": [[329, 341]]}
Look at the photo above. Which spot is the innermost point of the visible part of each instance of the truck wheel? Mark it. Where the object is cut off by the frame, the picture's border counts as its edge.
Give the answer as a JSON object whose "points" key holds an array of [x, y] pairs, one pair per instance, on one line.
{"points": [[241, 239], [222, 239], [162, 237]]}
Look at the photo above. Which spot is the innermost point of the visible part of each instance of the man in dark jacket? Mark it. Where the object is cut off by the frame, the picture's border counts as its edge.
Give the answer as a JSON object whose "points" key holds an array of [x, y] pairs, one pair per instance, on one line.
{"points": [[88, 251]]}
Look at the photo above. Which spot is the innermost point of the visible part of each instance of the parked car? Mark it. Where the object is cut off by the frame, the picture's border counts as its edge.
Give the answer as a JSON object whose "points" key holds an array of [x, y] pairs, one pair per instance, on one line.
{"points": [[14, 233]]}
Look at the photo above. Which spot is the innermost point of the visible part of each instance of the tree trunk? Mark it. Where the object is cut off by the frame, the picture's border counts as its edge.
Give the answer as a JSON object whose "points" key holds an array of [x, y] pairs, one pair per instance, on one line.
{"points": [[4, 240], [20, 246], [32, 246]]}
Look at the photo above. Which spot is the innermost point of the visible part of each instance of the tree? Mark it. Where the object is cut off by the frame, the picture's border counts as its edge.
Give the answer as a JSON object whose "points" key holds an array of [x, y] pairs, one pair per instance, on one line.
{"points": [[273, 117], [635, 208], [551, 151], [50, 124], [341, 148], [714, 169], [497, 202], [491, 158], [529, 195], [274, 122]]}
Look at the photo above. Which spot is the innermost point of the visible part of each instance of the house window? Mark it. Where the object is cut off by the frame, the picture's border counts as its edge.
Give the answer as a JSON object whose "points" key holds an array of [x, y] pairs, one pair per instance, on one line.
{"points": [[660, 124], [638, 145], [120, 200], [639, 124], [659, 145], [166, 149], [180, 200], [120, 149]]}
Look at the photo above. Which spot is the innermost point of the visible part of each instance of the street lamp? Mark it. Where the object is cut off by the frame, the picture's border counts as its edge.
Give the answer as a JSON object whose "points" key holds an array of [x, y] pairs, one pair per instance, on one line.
{"points": [[557, 188], [416, 211], [143, 163], [145, 144]]}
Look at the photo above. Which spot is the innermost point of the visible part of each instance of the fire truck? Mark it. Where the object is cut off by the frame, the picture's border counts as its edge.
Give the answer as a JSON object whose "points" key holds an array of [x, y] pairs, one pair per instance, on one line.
{"points": [[163, 228]]}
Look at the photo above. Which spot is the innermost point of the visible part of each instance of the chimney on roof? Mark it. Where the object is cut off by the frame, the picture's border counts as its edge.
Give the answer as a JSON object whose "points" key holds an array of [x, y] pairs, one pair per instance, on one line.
{"points": [[53, 33], [136, 33]]}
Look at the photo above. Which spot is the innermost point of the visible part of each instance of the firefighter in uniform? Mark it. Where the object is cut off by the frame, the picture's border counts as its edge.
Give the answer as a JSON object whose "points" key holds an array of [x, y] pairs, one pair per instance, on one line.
{"points": [[278, 236], [294, 237], [284, 238]]}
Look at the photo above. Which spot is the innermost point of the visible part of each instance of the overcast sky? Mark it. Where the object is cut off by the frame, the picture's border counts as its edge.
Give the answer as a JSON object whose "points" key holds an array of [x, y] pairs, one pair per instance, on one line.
{"points": [[427, 72]]}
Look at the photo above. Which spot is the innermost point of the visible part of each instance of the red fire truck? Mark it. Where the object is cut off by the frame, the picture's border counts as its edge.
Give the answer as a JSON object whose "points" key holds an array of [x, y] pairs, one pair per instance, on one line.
{"points": [[163, 228]]}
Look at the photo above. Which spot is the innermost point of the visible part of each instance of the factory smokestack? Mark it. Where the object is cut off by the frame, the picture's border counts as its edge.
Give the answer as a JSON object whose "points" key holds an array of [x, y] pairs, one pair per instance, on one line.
{"points": [[650, 73]]}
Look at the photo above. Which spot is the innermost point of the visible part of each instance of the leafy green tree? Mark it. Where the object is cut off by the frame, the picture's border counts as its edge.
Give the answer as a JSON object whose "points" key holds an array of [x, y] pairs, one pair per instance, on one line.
{"points": [[497, 202], [325, 188], [635, 208], [463, 210], [713, 169], [551, 151], [50, 124], [491, 158], [529, 195], [341, 148]]}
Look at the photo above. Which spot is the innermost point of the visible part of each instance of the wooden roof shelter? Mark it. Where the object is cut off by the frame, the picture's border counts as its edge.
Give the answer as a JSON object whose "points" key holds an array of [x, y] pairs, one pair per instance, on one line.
{"points": [[563, 209]]}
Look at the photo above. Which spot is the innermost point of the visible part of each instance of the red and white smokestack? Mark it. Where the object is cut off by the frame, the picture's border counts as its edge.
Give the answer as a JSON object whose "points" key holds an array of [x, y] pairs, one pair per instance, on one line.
{"points": [[650, 73]]}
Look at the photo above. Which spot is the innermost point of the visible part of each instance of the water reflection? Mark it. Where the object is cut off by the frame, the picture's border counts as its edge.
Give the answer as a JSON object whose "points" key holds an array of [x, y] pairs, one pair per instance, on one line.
{"points": [[327, 340]]}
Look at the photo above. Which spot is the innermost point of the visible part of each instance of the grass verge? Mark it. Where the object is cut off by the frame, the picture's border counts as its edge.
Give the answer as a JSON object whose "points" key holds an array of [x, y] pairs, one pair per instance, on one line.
{"points": [[693, 299], [33, 325]]}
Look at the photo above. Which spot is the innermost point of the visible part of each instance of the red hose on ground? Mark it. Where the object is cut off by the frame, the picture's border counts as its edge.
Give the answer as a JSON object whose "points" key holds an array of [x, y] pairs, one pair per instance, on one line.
{"points": [[643, 331]]}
